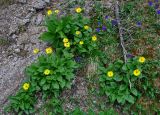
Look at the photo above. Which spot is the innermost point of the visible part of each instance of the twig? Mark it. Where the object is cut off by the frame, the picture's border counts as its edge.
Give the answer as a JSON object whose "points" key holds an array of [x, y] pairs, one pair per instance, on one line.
{"points": [[120, 31], [121, 35]]}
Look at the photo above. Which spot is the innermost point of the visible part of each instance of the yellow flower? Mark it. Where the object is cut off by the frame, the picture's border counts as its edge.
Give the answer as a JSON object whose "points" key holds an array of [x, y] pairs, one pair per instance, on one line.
{"points": [[49, 50], [78, 32], [137, 72], [78, 10], [81, 42], [94, 38], [35, 51], [141, 59], [65, 40], [47, 72], [67, 45], [49, 12], [86, 27], [56, 11], [26, 86], [110, 73]]}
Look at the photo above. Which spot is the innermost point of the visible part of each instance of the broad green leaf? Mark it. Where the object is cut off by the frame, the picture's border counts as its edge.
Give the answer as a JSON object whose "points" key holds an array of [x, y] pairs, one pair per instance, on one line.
{"points": [[91, 112], [27, 105], [122, 87], [62, 84], [40, 69], [47, 36], [59, 78], [129, 98], [68, 85], [22, 105], [45, 87], [134, 91], [120, 99], [52, 24], [42, 82], [62, 35], [59, 27], [124, 67], [102, 79], [118, 78], [55, 85], [113, 97]]}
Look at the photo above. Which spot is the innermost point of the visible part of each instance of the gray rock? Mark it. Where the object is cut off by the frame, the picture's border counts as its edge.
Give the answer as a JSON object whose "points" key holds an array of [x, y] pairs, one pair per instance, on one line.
{"points": [[31, 9], [22, 1], [29, 15], [33, 20], [47, 1], [36, 30], [34, 39], [13, 28], [38, 4], [23, 38], [14, 59], [24, 21], [28, 47], [3, 52], [39, 19], [14, 36], [17, 50]]}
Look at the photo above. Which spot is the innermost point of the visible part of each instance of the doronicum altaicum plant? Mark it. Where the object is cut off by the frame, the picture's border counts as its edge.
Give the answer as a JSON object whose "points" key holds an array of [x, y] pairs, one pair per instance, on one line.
{"points": [[70, 32], [52, 73], [125, 83], [23, 102]]}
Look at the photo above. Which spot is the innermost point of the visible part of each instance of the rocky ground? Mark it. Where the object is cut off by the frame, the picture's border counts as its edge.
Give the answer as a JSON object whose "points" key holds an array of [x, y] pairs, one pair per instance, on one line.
{"points": [[21, 24]]}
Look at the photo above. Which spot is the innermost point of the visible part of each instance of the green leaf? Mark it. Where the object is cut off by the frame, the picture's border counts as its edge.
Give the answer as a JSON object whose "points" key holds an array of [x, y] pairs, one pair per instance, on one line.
{"points": [[42, 82], [55, 85], [91, 112], [102, 69], [20, 113], [22, 106], [27, 105], [47, 36], [52, 24], [68, 85], [82, 50], [38, 88], [90, 29], [62, 35], [112, 97], [118, 78], [129, 98], [62, 84], [40, 69], [59, 28], [134, 91], [124, 67], [122, 87], [120, 99], [69, 76], [59, 78], [45, 87], [120, 61], [32, 110], [101, 79]]}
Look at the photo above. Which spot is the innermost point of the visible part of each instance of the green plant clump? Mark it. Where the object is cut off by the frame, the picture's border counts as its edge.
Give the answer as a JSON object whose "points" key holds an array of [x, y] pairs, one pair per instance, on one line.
{"points": [[52, 73], [126, 83], [71, 32]]}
